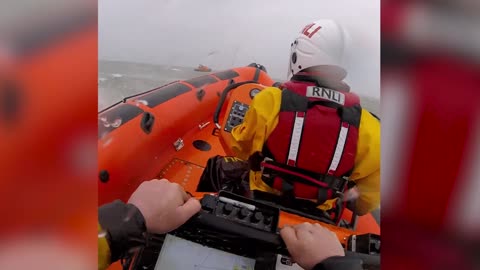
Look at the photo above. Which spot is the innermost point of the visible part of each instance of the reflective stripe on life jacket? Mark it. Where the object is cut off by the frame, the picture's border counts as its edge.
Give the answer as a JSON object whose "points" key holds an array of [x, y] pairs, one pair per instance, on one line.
{"points": [[313, 146]]}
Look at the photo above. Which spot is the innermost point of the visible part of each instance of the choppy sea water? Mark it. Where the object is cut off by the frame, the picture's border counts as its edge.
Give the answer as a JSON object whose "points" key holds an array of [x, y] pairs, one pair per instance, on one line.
{"points": [[117, 80]]}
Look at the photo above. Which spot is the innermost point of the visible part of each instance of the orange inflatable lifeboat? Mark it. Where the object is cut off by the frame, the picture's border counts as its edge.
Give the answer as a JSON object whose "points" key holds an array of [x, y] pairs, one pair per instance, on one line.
{"points": [[171, 131], [203, 68]]}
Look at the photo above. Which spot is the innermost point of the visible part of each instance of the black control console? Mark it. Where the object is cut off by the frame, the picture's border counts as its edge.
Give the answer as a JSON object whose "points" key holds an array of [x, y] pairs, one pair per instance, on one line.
{"points": [[236, 115], [242, 211], [365, 243], [234, 224], [250, 227]]}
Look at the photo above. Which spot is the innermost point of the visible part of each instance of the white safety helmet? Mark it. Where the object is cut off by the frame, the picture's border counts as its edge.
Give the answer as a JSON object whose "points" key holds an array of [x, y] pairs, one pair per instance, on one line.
{"points": [[321, 43]]}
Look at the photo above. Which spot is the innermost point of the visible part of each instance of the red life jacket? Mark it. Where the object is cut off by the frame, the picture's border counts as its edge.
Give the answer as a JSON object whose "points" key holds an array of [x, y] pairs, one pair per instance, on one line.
{"points": [[313, 147]]}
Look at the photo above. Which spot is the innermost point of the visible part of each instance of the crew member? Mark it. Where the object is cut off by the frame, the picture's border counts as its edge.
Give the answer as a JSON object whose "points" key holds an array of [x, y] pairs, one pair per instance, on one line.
{"points": [[310, 139]]}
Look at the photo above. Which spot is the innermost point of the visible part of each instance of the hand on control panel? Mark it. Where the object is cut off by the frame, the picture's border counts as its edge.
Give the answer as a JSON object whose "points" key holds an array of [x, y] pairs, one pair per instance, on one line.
{"points": [[310, 244], [164, 205]]}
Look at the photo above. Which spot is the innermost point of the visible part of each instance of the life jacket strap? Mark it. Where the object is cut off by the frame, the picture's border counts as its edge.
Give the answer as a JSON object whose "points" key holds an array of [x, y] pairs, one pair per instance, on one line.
{"points": [[286, 178]]}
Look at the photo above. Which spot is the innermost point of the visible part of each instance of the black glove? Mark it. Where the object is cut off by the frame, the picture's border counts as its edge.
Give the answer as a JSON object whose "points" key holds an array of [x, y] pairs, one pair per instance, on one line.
{"points": [[124, 225], [225, 173], [340, 263]]}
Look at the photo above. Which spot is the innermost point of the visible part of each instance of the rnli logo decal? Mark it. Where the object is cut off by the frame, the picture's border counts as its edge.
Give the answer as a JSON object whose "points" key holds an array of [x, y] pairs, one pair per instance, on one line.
{"points": [[325, 93], [309, 32]]}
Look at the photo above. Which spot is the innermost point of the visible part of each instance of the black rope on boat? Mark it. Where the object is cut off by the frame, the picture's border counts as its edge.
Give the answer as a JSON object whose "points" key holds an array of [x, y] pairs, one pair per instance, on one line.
{"points": [[224, 96]]}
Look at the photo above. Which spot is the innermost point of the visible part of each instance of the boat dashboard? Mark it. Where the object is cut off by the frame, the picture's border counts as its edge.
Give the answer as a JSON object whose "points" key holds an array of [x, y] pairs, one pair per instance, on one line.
{"points": [[231, 232], [234, 103]]}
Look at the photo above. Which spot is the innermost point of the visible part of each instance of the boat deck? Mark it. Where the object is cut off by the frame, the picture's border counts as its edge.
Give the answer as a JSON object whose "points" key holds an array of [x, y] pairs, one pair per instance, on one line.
{"points": [[186, 168]]}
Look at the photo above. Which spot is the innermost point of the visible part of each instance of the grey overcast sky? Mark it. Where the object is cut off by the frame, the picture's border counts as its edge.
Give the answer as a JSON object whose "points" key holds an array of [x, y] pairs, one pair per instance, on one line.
{"points": [[228, 33]]}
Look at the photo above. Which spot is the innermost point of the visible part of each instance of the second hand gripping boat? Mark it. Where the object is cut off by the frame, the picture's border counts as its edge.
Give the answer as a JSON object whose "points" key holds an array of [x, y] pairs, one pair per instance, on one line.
{"points": [[172, 131]]}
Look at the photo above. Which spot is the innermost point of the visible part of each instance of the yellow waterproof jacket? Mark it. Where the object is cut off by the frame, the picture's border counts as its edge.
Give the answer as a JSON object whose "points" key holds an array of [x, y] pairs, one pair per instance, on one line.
{"points": [[262, 118], [103, 250]]}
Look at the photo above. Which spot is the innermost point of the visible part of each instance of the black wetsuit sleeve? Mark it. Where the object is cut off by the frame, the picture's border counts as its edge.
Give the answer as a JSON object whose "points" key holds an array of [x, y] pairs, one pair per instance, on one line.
{"points": [[124, 226], [340, 263]]}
